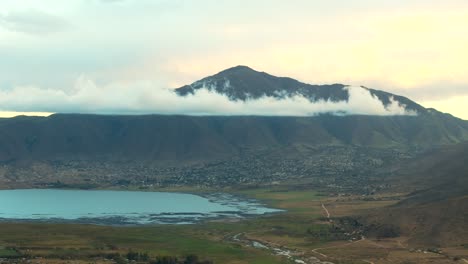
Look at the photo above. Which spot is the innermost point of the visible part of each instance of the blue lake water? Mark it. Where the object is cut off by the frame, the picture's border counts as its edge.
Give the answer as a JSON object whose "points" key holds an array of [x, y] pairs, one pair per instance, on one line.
{"points": [[122, 207]]}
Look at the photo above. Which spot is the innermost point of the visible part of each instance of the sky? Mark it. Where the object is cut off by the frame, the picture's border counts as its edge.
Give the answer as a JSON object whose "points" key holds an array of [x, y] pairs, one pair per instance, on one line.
{"points": [[107, 55]]}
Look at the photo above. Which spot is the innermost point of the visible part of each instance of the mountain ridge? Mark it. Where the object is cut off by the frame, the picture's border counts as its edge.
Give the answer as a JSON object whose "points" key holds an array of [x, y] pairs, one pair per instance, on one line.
{"points": [[244, 83], [157, 136]]}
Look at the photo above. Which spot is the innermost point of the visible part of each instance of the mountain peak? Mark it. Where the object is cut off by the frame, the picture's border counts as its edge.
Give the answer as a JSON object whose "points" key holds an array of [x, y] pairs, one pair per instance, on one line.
{"points": [[238, 68], [241, 83], [239, 71]]}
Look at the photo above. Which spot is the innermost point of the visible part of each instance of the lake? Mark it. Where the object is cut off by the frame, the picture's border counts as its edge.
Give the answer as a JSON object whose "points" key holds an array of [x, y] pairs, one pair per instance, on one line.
{"points": [[123, 207]]}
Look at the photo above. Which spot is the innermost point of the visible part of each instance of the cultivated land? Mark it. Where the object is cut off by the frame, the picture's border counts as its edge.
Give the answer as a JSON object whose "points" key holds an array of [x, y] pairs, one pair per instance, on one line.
{"points": [[303, 233]]}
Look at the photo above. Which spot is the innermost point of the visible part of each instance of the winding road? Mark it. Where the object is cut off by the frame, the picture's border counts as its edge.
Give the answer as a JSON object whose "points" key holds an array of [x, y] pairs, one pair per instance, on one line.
{"points": [[337, 246], [326, 211], [294, 255], [316, 250]]}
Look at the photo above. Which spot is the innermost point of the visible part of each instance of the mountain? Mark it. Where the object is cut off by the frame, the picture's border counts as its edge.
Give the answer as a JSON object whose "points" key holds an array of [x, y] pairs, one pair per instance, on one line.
{"points": [[243, 83], [222, 150]]}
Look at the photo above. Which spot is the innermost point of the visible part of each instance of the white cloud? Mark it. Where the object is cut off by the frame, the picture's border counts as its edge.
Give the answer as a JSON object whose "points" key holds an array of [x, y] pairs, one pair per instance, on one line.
{"points": [[147, 98], [33, 21]]}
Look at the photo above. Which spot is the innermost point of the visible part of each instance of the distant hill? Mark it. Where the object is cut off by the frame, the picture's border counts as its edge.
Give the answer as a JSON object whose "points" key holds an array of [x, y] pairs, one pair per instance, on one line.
{"points": [[436, 214], [156, 137], [439, 175]]}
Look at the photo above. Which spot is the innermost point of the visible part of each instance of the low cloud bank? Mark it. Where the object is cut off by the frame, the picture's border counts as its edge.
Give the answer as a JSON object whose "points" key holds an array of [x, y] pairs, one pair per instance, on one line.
{"points": [[144, 98]]}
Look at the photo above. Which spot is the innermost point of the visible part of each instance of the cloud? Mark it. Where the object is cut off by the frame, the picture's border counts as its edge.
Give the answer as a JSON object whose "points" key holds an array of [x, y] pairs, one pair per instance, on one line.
{"points": [[7, 114], [147, 98], [33, 21]]}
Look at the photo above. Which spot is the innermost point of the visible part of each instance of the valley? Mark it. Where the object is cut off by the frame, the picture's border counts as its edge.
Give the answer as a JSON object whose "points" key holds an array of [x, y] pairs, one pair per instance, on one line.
{"points": [[233, 132], [355, 188]]}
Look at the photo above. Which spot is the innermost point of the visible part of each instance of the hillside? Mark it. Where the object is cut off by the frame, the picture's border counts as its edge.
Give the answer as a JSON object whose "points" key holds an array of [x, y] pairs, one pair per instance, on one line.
{"points": [[203, 138], [436, 214]]}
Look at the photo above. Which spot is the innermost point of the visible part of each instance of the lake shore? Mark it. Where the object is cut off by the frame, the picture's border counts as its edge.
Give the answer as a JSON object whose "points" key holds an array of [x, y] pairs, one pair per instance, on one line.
{"points": [[225, 207]]}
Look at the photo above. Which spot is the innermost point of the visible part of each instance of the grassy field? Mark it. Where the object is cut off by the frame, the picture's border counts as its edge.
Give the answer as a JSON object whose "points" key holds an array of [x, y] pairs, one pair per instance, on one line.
{"points": [[85, 241]]}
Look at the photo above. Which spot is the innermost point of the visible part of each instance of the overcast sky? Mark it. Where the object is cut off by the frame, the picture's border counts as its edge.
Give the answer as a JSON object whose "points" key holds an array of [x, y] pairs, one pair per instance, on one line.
{"points": [[111, 48]]}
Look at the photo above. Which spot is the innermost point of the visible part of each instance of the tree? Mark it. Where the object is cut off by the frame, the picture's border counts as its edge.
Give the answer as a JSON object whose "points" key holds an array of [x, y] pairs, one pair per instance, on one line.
{"points": [[191, 259]]}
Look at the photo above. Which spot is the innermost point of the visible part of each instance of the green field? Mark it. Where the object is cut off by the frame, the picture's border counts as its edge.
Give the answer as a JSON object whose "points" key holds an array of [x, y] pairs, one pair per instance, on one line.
{"points": [[85, 241]]}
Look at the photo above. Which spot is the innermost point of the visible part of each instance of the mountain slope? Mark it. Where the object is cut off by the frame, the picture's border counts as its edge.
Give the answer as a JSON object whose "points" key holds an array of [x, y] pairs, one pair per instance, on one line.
{"points": [[156, 137], [436, 214]]}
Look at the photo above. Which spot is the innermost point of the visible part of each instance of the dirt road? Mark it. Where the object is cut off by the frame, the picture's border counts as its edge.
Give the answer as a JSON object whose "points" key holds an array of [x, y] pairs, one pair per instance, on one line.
{"points": [[326, 211], [294, 255]]}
